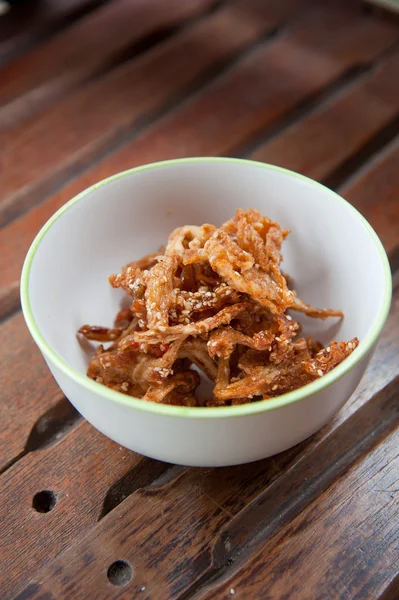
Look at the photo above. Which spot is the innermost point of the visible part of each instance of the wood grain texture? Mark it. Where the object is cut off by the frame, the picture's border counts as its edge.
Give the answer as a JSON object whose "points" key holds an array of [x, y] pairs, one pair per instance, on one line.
{"points": [[322, 141], [28, 22], [197, 523], [79, 470], [28, 390], [374, 191], [343, 546], [89, 46], [258, 91], [41, 152]]}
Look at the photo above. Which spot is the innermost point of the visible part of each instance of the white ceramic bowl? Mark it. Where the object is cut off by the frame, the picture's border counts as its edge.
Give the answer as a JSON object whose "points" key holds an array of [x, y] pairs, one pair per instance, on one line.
{"points": [[333, 254]]}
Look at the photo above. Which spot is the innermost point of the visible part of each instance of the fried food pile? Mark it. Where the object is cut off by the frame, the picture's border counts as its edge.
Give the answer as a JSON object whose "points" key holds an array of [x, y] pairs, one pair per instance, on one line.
{"points": [[215, 299]]}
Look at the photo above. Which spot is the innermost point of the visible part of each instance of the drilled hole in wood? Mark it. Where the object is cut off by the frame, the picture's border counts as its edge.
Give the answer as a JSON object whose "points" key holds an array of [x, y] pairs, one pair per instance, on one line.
{"points": [[44, 501], [119, 573]]}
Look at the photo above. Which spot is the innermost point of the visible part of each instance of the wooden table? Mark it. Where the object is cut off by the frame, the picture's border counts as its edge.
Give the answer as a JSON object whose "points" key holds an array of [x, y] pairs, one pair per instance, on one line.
{"points": [[89, 88]]}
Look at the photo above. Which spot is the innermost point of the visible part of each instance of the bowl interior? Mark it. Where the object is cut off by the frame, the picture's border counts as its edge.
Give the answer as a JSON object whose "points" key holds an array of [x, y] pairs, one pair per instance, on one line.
{"points": [[331, 253]]}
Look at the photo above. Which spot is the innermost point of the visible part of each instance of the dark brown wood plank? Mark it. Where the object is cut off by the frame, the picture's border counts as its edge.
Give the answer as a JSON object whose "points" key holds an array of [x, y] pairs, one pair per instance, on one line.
{"points": [[344, 545], [175, 534], [28, 390], [322, 141], [79, 471], [379, 177], [27, 22], [40, 152], [86, 48]]}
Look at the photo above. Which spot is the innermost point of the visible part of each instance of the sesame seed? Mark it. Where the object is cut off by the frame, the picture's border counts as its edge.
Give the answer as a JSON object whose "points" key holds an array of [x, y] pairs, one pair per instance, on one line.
{"points": [[289, 318], [228, 292], [320, 373], [161, 327], [328, 349], [232, 591], [274, 387]]}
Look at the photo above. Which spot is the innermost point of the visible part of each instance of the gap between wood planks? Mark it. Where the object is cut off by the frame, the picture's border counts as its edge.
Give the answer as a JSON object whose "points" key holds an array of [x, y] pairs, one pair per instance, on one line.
{"points": [[26, 33]]}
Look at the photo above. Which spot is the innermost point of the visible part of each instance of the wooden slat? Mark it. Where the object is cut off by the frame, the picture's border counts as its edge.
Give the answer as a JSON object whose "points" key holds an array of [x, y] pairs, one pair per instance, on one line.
{"points": [[319, 143], [344, 545], [374, 191], [175, 534], [28, 390], [26, 22], [80, 470], [257, 92], [86, 48], [95, 117]]}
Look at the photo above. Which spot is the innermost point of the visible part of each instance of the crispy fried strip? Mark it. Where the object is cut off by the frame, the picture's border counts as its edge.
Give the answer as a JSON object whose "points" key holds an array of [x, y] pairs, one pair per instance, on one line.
{"points": [[257, 284], [177, 238], [223, 378], [260, 380], [169, 334], [223, 341], [158, 293], [187, 381], [163, 367], [196, 351], [100, 334], [132, 281], [316, 313], [328, 358]]}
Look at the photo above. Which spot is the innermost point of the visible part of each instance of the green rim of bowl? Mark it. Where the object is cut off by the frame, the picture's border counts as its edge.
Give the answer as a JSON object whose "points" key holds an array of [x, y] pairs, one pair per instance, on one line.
{"points": [[203, 412]]}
